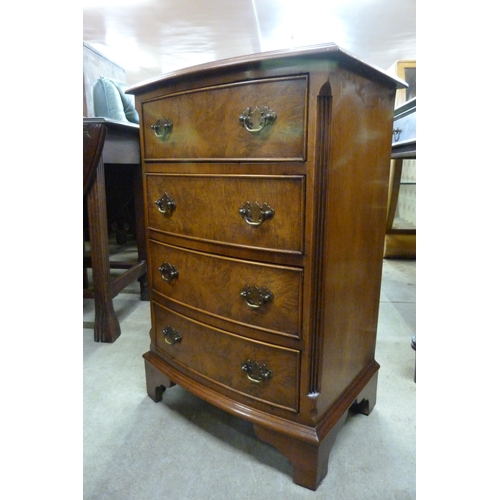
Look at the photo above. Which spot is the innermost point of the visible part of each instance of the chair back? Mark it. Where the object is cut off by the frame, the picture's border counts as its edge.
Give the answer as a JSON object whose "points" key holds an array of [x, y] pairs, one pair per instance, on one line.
{"points": [[110, 101]]}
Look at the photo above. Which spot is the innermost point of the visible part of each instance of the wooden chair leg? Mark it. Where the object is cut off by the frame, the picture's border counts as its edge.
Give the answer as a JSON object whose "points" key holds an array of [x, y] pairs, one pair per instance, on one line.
{"points": [[106, 326]]}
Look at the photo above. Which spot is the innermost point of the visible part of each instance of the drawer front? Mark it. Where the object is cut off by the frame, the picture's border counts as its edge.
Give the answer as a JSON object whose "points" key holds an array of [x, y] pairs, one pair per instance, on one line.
{"points": [[206, 123], [258, 295], [261, 371], [263, 212], [405, 128]]}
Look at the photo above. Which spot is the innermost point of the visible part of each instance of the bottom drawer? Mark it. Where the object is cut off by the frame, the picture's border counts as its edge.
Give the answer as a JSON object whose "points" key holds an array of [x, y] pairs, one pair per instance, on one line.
{"points": [[257, 370]]}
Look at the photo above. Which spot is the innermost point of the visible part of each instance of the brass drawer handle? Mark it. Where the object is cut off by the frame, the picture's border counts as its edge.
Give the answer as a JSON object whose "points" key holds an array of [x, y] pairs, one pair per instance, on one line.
{"points": [[256, 373], [165, 204], [254, 214], [256, 297], [171, 336], [168, 272], [162, 127], [255, 119]]}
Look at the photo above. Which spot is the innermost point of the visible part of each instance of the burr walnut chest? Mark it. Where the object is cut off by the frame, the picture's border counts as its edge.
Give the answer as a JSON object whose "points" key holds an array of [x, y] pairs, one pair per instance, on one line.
{"points": [[266, 184]]}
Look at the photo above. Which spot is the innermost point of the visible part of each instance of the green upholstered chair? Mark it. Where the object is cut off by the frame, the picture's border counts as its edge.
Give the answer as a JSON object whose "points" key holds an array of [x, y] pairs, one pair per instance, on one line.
{"points": [[110, 101]]}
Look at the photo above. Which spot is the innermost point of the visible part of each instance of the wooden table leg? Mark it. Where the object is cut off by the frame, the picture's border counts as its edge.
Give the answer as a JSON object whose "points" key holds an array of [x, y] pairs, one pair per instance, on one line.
{"points": [[106, 326]]}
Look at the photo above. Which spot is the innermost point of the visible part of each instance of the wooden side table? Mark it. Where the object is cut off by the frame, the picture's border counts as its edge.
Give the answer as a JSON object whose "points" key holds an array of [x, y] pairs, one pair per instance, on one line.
{"points": [[121, 147]]}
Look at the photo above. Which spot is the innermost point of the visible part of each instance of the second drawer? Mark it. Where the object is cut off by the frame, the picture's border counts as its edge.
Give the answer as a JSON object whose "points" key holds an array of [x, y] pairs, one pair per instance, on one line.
{"points": [[265, 212], [263, 296]]}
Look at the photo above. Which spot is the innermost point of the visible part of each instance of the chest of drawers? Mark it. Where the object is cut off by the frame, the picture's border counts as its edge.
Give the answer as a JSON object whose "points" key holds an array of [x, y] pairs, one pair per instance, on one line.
{"points": [[266, 183]]}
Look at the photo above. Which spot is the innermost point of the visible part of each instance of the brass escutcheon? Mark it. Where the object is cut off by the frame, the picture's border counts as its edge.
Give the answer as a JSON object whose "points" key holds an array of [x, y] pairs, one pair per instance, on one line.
{"points": [[254, 214], [256, 297], [168, 272], [255, 372], [162, 127], [255, 119], [171, 336], [165, 204]]}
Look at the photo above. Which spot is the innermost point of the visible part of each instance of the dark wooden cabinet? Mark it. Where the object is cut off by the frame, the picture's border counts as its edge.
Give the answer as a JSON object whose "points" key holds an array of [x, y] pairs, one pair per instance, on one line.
{"points": [[266, 183]]}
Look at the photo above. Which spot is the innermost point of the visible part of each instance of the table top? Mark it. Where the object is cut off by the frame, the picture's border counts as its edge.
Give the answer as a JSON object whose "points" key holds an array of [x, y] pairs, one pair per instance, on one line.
{"points": [[111, 124], [122, 141]]}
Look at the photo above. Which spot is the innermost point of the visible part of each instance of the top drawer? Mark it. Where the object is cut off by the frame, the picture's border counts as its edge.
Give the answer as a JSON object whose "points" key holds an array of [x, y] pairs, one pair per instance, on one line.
{"points": [[256, 120]]}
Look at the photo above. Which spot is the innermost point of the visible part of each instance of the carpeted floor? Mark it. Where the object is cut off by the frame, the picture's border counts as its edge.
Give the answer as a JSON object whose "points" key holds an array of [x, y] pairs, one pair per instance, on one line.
{"points": [[184, 448]]}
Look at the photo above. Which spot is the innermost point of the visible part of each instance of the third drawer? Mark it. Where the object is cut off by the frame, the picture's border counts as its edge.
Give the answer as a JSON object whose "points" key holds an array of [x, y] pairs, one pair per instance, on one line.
{"points": [[263, 296]]}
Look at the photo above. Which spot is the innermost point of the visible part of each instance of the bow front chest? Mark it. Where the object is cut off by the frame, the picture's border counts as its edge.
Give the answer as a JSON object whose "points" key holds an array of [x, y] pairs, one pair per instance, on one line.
{"points": [[266, 184]]}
